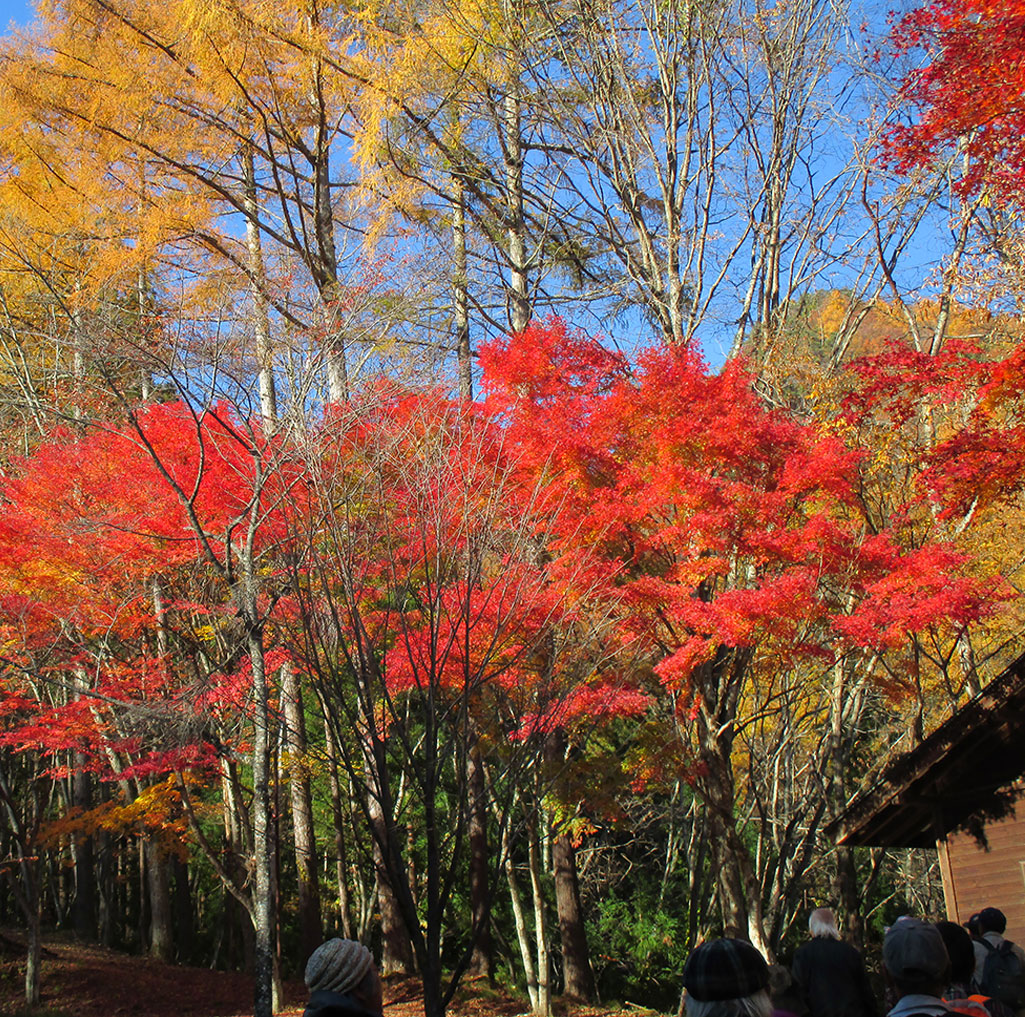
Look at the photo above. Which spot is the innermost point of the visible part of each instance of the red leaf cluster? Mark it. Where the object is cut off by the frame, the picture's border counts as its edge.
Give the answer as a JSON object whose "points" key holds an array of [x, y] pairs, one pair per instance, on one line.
{"points": [[968, 93]]}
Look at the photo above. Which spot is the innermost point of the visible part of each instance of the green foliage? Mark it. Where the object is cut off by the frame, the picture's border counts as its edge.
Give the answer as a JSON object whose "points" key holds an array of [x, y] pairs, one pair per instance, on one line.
{"points": [[643, 946]]}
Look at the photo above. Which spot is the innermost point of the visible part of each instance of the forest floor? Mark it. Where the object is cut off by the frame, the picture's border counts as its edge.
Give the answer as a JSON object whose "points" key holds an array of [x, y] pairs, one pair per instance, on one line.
{"points": [[91, 981]]}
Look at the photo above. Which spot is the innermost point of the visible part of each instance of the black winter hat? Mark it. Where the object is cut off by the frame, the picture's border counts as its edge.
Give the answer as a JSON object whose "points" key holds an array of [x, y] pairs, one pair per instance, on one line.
{"points": [[992, 920], [725, 969]]}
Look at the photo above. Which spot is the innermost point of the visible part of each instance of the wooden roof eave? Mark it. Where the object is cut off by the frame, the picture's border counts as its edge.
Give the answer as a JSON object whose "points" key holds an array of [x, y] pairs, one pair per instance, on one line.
{"points": [[960, 771]]}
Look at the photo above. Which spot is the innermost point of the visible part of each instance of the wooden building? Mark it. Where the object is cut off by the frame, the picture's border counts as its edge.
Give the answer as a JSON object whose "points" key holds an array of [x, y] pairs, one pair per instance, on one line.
{"points": [[957, 791]]}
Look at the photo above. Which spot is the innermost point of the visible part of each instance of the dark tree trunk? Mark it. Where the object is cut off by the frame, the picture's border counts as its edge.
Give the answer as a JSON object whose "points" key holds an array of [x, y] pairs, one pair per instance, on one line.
{"points": [[719, 683], [847, 896], [142, 922], [84, 906], [107, 890], [576, 960], [578, 978], [396, 949], [396, 944], [843, 712], [338, 816], [158, 882], [181, 904], [124, 892]]}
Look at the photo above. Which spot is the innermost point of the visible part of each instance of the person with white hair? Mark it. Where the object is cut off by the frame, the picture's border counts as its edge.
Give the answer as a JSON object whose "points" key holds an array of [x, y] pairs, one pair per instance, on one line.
{"points": [[830, 973], [343, 981]]}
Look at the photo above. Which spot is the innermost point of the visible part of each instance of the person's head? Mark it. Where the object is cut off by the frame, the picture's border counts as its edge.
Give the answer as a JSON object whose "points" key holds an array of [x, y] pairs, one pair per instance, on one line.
{"points": [[346, 967], [992, 920], [727, 978], [822, 924], [972, 925], [915, 958], [959, 950]]}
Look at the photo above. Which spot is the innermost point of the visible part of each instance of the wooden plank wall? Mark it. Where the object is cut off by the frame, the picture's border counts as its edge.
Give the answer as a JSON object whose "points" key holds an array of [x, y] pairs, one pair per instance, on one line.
{"points": [[974, 878]]}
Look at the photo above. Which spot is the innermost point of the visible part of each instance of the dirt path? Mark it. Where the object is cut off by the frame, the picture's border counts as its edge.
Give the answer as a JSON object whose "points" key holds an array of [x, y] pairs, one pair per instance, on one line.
{"points": [[90, 981], [87, 981]]}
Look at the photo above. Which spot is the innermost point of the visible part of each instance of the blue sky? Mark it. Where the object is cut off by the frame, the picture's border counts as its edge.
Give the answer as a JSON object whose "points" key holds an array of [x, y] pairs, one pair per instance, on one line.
{"points": [[18, 11]]}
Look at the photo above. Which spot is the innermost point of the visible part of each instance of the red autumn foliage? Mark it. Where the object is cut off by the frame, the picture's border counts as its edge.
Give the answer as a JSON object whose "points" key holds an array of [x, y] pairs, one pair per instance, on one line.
{"points": [[722, 524], [438, 528], [967, 93], [653, 502], [91, 521], [974, 405], [983, 462]]}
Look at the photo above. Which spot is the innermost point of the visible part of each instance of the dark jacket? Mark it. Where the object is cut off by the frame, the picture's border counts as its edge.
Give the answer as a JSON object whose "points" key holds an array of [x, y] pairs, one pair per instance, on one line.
{"points": [[831, 977], [334, 1004]]}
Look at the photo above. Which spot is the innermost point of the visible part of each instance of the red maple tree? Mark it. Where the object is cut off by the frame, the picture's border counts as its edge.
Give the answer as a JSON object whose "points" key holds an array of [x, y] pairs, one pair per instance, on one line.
{"points": [[733, 538]]}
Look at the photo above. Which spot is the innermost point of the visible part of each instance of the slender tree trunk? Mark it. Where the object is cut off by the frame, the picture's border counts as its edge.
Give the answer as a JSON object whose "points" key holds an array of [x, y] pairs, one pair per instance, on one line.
{"points": [[133, 903], [277, 986], [263, 898], [258, 289], [142, 917], [235, 953], [461, 288], [544, 982], [77, 360], [482, 961], [520, 922], [142, 295], [519, 294], [107, 890], [6, 851], [325, 271], [84, 907], [61, 880], [311, 931], [338, 816], [158, 864]]}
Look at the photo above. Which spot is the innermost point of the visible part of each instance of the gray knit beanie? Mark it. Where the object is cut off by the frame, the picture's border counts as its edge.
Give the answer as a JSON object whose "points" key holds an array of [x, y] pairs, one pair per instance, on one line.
{"points": [[338, 965]]}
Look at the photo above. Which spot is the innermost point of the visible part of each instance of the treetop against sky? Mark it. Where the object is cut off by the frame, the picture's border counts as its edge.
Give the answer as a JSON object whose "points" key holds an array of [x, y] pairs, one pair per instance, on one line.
{"points": [[784, 156]]}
